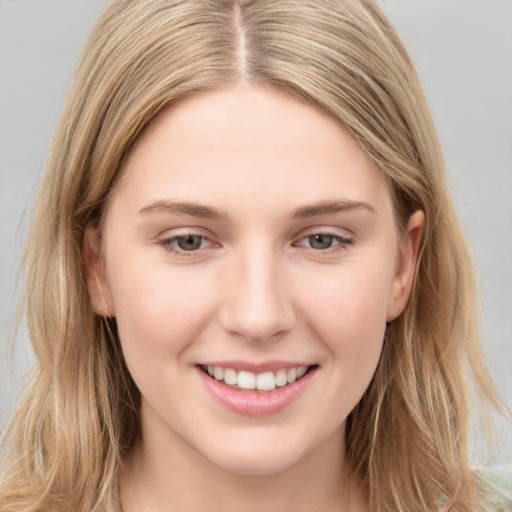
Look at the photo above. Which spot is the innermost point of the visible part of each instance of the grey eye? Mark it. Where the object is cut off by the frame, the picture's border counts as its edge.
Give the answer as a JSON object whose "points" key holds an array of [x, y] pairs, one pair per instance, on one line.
{"points": [[321, 241], [189, 242]]}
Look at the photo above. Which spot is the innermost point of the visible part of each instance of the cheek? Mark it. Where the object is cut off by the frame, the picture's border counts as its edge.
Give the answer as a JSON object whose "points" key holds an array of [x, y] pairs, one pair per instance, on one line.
{"points": [[348, 313], [350, 302], [159, 310]]}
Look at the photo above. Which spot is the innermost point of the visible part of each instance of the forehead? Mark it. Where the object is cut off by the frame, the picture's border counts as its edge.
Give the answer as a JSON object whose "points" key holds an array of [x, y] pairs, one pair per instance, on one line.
{"points": [[245, 142]]}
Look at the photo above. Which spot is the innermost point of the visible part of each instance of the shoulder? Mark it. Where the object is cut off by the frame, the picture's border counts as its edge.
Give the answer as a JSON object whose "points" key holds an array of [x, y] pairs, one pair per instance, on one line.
{"points": [[496, 489]]}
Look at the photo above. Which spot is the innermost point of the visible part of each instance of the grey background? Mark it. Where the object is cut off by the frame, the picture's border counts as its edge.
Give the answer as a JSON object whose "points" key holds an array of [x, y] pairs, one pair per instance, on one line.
{"points": [[463, 51]]}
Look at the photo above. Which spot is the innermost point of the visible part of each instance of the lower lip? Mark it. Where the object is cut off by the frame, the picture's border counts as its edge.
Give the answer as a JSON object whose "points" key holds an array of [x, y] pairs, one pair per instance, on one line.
{"points": [[253, 403]]}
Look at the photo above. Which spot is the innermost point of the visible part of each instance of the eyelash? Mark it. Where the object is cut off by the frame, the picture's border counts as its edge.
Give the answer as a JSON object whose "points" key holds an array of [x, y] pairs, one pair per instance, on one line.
{"points": [[169, 243], [341, 245]]}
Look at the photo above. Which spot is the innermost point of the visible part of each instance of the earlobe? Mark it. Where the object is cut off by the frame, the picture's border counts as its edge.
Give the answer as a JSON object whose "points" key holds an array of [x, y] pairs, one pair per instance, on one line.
{"points": [[406, 266], [97, 286]]}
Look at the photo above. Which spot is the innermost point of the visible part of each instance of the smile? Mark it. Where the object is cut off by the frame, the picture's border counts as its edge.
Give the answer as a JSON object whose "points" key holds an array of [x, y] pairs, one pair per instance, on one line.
{"points": [[270, 390], [259, 382]]}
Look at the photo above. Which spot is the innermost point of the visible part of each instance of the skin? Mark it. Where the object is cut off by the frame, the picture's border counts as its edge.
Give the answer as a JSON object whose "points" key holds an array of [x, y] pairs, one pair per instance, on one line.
{"points": [[258, 288]]}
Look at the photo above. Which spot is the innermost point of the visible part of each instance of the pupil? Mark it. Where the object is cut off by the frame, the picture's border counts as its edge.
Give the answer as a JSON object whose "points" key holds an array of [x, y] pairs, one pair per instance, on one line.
{"points": [[320, 241], [189, 242]]}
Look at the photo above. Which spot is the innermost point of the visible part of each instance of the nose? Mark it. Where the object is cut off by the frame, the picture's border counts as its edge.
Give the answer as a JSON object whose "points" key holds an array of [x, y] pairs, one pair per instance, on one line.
{"points": [[257, 303]]}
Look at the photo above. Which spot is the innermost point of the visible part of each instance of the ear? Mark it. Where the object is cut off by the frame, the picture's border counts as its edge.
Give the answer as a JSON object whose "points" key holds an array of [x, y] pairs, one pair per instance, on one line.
{"points": [[99, 291], [406, 265]]}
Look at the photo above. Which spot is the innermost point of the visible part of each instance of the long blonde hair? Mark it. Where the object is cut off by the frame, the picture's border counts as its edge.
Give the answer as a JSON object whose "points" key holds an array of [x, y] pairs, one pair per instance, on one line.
{"points": [[408, 437]]}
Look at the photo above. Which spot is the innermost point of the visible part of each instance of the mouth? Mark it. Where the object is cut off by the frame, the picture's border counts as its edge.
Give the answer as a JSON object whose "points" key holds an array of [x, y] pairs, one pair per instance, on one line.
{"points": [[252, 382]]}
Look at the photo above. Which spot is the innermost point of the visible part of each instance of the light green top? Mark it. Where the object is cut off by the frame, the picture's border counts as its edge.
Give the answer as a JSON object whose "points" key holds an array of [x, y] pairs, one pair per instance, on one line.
{"points": [[497, 488]]}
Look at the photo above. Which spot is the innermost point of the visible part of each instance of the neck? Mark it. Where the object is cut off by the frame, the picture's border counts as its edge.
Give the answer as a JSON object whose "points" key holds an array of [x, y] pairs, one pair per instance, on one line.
{"points": [[162, 474]]}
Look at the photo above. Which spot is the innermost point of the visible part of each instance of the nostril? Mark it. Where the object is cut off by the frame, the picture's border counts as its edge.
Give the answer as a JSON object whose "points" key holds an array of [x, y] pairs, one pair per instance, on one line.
{"points": [[256, 304]]}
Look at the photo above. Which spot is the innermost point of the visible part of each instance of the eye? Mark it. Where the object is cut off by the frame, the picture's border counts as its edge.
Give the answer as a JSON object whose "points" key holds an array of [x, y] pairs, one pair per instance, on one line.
{"points": [[186, 244], [189, 242], [324, 241]]}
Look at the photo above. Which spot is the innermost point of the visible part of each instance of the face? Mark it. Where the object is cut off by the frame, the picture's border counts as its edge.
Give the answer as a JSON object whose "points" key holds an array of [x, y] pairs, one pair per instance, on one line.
{"points": [[251, 260]]}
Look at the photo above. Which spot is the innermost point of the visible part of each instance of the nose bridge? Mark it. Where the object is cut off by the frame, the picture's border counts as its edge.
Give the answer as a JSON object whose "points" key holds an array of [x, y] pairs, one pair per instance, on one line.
{"points": [[257, 303]]}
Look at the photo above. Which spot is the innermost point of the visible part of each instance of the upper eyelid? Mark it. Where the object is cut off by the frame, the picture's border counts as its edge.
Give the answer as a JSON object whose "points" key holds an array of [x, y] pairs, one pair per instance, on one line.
{"points": [[184, 231], [169, 239], [342, 240], [173, 233], [318, 230]]}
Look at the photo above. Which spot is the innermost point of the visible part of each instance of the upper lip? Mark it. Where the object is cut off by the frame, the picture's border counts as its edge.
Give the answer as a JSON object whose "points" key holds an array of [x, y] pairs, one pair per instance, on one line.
{"points": [[267, 366]]}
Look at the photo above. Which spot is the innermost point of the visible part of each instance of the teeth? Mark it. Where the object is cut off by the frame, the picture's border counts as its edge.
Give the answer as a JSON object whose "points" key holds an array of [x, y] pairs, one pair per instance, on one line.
{"points": [[281, 378], [301, 371], [266, 381], [246, 380], [230, 377]]}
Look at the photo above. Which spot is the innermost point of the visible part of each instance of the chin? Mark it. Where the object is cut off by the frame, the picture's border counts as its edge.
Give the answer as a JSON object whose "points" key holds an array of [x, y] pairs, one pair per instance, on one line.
{"points": [[256, 459], [256, 466]]}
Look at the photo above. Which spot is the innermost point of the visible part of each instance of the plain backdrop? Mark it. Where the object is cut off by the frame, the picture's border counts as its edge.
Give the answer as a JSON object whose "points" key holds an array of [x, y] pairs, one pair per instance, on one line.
{"points": [[463, 51]]}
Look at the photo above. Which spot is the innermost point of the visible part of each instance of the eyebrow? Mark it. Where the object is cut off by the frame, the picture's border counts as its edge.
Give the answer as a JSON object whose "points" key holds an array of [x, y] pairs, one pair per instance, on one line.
{"points": [[181, 208], [329, 207], [208, 212]]}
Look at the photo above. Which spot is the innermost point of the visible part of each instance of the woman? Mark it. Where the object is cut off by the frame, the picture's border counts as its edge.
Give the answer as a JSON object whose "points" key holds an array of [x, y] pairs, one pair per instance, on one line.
{"points": [[247, 286]]}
